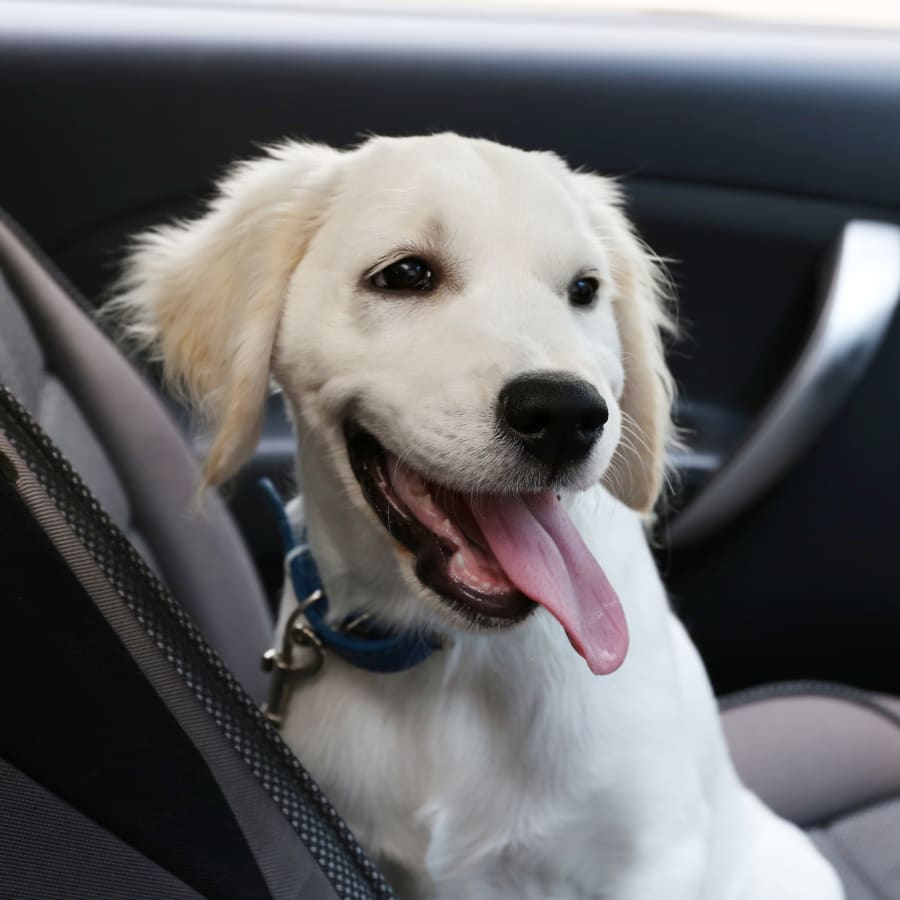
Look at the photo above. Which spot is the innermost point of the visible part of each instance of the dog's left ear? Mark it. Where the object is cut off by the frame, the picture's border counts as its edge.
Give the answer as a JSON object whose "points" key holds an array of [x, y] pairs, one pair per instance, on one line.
{"points": [[205, 296], [639, 301]]}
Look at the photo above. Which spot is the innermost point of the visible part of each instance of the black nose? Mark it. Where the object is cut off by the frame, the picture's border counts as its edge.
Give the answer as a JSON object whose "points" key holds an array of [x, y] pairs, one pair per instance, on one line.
{"points": [[557, 418]]}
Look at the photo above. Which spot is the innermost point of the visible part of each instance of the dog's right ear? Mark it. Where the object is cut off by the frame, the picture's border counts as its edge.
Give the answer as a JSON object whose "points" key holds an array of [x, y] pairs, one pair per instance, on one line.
{"points": [[205, 296]]}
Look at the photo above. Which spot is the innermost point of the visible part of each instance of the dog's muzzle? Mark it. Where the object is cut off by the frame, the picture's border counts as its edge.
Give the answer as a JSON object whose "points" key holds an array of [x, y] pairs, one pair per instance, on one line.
{"points": [[492, 557]]}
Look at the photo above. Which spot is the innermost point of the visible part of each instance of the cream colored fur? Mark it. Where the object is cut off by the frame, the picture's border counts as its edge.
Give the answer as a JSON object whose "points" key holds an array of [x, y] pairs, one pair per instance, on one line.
{"points": [[500, 767]]}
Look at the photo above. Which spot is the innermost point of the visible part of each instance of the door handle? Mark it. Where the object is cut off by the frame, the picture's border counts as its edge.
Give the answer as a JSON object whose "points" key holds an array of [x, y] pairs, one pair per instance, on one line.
{"points": [[856, 308]]}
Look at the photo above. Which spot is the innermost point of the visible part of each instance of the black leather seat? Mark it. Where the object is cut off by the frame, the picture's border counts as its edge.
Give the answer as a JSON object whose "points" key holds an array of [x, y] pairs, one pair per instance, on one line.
{"points": [[825, 756]]}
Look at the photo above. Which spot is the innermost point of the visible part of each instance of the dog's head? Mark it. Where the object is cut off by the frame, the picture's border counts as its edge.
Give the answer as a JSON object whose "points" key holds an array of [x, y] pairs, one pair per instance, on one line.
{"points": [[462, 330]]}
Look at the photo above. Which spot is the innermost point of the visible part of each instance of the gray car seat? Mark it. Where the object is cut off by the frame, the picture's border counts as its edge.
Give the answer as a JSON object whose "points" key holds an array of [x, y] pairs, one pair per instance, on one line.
{"points": [[826, 756], [120, 438]]}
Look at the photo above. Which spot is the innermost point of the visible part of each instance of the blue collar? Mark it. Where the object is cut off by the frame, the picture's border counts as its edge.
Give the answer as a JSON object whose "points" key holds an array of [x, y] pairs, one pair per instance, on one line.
{"points": [[357, 640]]}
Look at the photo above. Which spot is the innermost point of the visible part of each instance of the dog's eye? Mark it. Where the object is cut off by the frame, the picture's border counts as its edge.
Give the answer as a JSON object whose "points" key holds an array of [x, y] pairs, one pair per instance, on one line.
{"points": [[582, 291], [409, 274]]}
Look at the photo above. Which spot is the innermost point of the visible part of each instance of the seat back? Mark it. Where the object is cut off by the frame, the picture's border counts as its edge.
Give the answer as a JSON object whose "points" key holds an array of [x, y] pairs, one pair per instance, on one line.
{"points": [[113, 428]]}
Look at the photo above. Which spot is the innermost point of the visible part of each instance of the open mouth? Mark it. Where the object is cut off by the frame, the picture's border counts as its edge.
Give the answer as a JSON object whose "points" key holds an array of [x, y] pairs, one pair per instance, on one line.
{"points": [[438, 526], [494, 558]]}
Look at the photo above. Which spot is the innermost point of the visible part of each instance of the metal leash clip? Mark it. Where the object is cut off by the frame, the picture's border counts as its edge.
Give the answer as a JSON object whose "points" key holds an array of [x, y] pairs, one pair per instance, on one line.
{"points": [[280, 663]]}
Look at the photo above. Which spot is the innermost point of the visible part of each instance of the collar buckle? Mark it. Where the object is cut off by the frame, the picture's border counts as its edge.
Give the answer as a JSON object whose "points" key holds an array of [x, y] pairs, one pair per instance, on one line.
{"points": [[280, 662], [359, 641]]}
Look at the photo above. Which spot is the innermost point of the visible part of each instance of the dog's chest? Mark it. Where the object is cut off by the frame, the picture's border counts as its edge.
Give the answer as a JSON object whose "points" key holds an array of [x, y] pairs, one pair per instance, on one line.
{"points": [[504, 771]]}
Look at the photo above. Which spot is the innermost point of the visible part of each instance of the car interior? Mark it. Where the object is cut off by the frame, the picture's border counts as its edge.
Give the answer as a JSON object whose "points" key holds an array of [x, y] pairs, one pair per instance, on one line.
{"points": [[759, 160]]}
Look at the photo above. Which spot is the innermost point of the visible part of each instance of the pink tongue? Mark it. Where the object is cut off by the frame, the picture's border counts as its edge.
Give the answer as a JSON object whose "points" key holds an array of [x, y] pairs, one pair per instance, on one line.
{"points": [[543, 555]]}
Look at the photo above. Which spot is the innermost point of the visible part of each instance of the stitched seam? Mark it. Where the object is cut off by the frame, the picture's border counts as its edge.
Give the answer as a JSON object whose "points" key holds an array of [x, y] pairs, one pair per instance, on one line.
{"points": [[811, 688], [857, 809]]}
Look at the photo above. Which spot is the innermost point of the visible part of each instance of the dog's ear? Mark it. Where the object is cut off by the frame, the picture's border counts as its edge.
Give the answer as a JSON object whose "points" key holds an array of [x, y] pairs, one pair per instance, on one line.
{"points": [[640, 304], [205, 296]]}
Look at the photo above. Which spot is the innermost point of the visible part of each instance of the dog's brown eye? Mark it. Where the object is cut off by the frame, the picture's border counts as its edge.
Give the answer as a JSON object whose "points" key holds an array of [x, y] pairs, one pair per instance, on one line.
{"points": [[409, 274], [582, 291]]}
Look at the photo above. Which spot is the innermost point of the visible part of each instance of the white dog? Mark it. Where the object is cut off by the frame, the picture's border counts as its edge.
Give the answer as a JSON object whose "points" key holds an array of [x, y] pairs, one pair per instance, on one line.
{"points": [[468, 337]]}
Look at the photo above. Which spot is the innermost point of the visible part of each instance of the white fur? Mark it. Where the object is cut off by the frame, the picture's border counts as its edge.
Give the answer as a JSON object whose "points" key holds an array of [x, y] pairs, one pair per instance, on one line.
{"points": [[500, 767]]}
